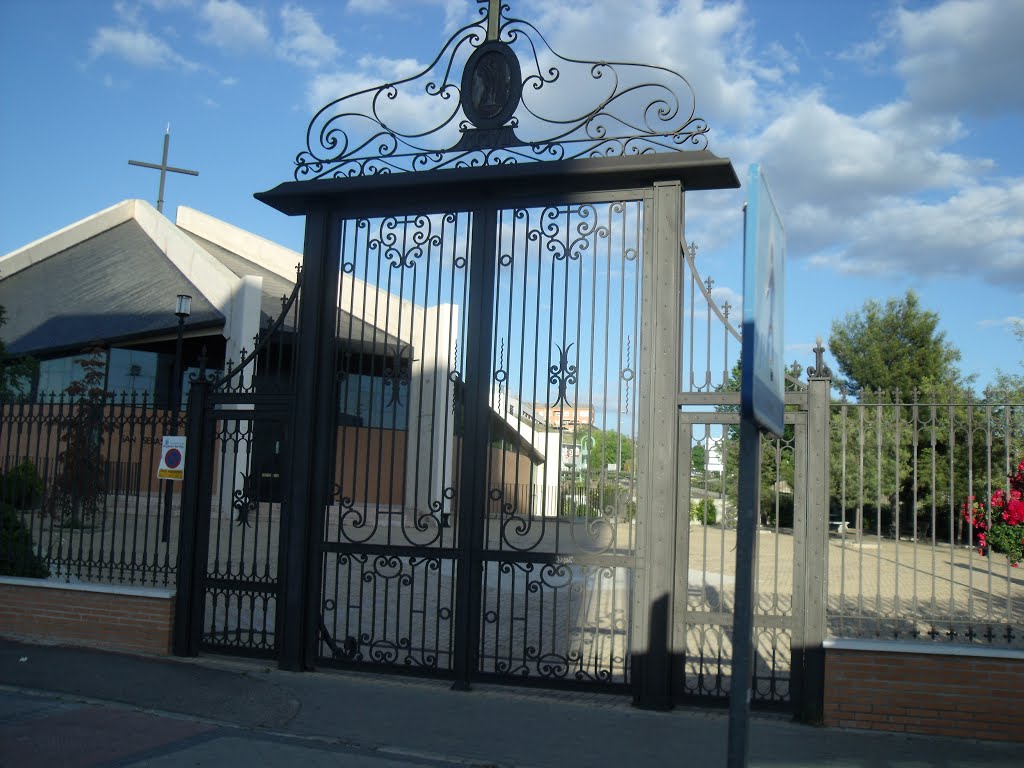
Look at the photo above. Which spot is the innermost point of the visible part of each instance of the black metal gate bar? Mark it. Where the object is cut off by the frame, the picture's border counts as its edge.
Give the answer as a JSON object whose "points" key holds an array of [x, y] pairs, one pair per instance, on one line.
{"points": [[312, 444], [476, 438], [192, 538]]}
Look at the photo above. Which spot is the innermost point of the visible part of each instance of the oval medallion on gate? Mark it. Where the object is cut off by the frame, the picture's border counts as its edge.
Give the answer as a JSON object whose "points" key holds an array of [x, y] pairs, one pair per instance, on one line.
{"points": [[491, 85]]}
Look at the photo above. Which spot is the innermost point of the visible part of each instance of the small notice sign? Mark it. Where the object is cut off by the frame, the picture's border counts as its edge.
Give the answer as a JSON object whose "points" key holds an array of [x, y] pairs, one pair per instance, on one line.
{"points": [[172, 458]]}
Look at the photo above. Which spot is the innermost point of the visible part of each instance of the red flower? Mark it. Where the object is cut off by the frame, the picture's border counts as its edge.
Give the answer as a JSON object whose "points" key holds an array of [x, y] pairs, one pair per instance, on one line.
{"points": [[1014, 513]]}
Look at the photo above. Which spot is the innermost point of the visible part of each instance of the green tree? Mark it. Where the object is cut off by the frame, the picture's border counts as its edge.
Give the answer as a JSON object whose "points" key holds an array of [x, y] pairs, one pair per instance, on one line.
{"points": [[610, 447], [16, 372], [893, 347], [78, 488], [698, 458], [777, 458]]}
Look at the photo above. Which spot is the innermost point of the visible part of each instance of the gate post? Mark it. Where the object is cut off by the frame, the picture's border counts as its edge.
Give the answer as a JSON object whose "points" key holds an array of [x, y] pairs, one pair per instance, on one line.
{"points": [[472, 491], [811, 629], [192, 538], [658, 448], [314, 432]]}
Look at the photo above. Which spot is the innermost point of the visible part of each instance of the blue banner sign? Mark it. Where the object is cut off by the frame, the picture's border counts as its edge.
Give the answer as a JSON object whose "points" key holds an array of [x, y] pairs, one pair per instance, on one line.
{"points": [[762, 385]]}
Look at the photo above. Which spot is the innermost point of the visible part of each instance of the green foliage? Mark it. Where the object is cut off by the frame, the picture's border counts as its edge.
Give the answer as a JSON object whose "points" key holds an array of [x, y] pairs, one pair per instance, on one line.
{"points": [[21, 486], [602, 501], [892, 347], [610, 447], [78, 488], [17, 555], [777, 456], [898, 456], [16, 373], [1008, 539], [698, 459], [1002, 528], [704, 511], [911, 463]]}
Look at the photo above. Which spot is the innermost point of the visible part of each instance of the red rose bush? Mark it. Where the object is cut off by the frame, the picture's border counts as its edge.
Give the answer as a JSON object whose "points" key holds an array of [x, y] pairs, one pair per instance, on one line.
{"points": [[1003, 529]]}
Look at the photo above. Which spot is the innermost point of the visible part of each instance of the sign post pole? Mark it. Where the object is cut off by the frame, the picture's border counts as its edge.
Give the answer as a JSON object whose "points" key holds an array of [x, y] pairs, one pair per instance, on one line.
{"points": [[762, 407]]}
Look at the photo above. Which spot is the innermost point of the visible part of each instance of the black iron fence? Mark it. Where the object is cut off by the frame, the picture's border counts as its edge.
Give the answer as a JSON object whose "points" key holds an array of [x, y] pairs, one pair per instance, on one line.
{"points": [[919, 546], [79, 494]]}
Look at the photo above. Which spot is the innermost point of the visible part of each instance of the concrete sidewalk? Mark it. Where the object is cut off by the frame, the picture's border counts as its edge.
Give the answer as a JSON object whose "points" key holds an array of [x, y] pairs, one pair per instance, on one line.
{"points": [[73, 708]]}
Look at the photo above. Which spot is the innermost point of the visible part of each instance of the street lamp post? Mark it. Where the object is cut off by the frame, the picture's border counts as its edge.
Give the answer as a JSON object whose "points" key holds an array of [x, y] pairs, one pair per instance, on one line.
{"points": [[182, 310]]}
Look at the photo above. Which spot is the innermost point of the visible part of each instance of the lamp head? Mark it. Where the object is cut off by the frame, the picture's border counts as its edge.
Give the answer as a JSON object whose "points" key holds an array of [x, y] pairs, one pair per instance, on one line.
{"points": [[184, 307]]}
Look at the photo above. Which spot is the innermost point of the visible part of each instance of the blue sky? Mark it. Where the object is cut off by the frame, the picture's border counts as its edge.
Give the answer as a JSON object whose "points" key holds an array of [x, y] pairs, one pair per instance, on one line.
{"points": [[889, 131]]}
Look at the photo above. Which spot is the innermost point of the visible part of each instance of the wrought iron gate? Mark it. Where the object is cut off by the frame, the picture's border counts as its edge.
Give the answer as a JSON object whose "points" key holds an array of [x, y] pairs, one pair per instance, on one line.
{"points": [[236, 481], [551, 549], [792, 520], [480, 465]]}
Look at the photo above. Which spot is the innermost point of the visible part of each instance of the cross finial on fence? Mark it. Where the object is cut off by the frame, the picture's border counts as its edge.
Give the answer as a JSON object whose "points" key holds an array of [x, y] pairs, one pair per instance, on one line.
{"points": [[819, 370]]}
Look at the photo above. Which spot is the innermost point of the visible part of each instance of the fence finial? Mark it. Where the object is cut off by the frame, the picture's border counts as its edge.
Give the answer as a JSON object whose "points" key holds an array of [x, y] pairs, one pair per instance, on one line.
{"points": [[819, 370]]}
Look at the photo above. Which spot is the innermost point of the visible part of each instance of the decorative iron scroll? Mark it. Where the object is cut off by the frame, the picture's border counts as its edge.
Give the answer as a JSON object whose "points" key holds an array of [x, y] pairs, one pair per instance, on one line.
{"points": [[515, 101]]}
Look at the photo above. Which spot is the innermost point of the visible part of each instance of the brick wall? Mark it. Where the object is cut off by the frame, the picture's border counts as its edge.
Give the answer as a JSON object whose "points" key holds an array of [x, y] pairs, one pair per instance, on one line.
{"points": [[130, 619], [914, 688]]}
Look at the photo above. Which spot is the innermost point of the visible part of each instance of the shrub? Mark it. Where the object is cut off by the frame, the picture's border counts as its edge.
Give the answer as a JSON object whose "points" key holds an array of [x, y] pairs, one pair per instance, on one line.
{"points": [[78, 488], [704, 511], [603, 499], [21, 486], [784, 510], [1003, 529], [17, 555]]}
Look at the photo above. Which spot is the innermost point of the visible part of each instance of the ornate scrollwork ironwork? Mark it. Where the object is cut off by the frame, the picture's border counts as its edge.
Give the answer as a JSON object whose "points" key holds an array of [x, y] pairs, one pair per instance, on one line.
{"points": [[563, 374], [244, 506], [507, 106], [397, 374]]}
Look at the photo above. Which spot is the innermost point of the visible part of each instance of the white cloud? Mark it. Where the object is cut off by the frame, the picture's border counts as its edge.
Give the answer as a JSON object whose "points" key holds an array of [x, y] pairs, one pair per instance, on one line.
{"points": [[326, 87], [390, 70], [1009, 322], [303, 41], [411, 111], [227, 82], [456, 12], [815, 153], [370, 6], [709, 45], [233, 26], [964, 55], [137, 47], [865, 52], [163, 5], [127, 13], [978, 231]]}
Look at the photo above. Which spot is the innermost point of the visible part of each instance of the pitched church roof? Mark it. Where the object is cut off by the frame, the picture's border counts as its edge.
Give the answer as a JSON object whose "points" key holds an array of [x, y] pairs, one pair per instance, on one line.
{"points": [[110, 277]]}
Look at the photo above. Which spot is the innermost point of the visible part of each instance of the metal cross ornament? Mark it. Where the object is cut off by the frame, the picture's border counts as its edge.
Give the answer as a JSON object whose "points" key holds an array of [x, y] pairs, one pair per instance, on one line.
{"points": [[163, 168], [493, 17]]}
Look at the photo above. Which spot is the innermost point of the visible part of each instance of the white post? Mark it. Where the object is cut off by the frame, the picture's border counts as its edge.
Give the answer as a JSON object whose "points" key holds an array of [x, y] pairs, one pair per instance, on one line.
{"points": [[243, 323], [429, 451]]}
